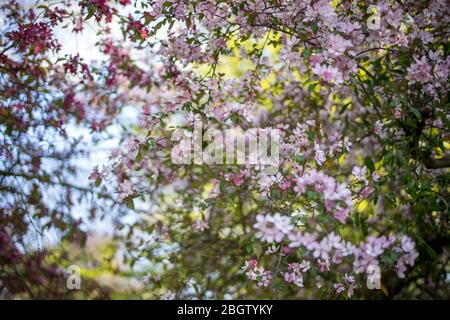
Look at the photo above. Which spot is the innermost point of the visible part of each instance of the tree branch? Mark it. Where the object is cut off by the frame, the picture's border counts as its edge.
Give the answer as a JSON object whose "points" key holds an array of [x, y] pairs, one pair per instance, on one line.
{"points": [[437, 163]]}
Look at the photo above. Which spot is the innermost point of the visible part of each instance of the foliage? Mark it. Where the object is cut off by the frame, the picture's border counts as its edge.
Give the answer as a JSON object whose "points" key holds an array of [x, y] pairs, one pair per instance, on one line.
{"points": [[357, 92]]}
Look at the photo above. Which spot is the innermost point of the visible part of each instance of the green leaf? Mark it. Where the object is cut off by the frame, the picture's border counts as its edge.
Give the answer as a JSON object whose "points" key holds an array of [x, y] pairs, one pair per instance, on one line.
{"points": [[312, 86], [357, 219], [364, 227], [91, 11], [369, 164], [311, 195], [300, 159], [428, 249], [311, 135], [129, 203], [344, 107], [222, 186], [251, 18], [257, 249], [416, 113], [307, 52], [139, 156], [390, 258], [392, 104]]}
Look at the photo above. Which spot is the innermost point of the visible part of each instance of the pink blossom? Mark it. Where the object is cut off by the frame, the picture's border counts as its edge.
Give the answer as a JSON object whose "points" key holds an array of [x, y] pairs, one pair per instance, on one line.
{"points": [[328, 74], [420, 71], [319, 154], [336, 196], [258, 274], [272, 228], [339, 287], [200, 225], [126, 190], [168, 295], [215, 192], [359, 173]]}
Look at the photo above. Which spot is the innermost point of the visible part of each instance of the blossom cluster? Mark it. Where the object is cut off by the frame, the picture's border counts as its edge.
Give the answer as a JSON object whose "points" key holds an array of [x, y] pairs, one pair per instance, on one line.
{"points": [[347, 94], [358, 97], [257, 273], [331, 251], [337, 197]]}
